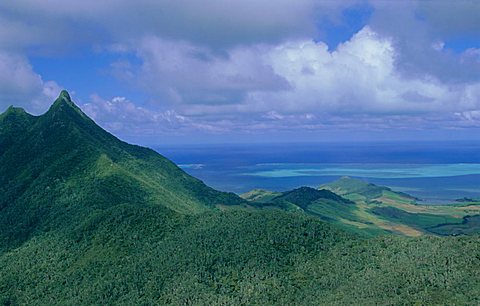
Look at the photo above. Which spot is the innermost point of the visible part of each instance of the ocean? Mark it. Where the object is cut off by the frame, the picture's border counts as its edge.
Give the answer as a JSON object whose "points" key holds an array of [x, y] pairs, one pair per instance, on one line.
{"points": [[436, 172]]}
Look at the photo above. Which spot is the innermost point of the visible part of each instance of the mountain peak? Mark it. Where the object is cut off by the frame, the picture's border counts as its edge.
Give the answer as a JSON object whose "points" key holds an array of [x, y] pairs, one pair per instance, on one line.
{"points": [[65, 96], [13, 111], [64, 104]]}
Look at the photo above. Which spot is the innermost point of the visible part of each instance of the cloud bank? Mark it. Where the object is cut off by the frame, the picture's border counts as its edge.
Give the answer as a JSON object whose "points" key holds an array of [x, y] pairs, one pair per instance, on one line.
{"points": [[250, 66], [21, 86]]}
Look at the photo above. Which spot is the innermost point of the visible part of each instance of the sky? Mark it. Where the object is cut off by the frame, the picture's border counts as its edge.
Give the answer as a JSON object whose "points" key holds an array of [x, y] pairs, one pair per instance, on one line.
{"points": [[179, 72]]}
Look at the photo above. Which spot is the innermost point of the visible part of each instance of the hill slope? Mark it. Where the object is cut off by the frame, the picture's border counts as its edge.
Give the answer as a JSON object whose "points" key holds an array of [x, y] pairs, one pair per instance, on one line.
{"points": [[134, 255], [60, 167]]}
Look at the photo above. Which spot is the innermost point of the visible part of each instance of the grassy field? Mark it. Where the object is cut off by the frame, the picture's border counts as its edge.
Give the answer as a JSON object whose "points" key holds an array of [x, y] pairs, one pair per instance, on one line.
{"points": [[380, 210]]}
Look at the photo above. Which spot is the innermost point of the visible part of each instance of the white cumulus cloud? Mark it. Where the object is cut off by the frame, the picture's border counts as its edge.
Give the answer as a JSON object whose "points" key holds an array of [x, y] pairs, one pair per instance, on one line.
{"points": [[21, 86]]}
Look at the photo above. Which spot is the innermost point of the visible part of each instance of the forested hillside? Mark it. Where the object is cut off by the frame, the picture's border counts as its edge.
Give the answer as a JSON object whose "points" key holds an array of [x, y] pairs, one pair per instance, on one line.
{"points": [[88, 219], [59, 168]]}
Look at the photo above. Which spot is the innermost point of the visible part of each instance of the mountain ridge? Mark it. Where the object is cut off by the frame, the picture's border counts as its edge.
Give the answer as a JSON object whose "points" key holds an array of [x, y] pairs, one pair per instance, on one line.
{"points": [[63, 155]]}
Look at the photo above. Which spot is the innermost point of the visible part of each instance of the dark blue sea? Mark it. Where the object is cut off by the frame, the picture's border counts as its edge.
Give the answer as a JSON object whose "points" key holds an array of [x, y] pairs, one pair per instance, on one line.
{"points": [[437, 172]]}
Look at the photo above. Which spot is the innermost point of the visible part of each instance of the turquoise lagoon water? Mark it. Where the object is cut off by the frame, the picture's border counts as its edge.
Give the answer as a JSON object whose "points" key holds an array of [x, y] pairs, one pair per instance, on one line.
{"points": [[375, 171], [438, 172]]}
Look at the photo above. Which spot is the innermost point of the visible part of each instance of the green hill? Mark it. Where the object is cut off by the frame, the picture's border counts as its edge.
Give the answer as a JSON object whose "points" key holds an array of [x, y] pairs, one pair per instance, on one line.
{"points": [[322, 204], [304, 196], [260, 195], [369, 209], [346, 186], [59, 168], [88, 219]]}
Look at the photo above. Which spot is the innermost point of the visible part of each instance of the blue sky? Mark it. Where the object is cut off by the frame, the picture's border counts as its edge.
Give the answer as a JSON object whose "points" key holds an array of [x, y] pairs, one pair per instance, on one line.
{"points": [[163, 72]]}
